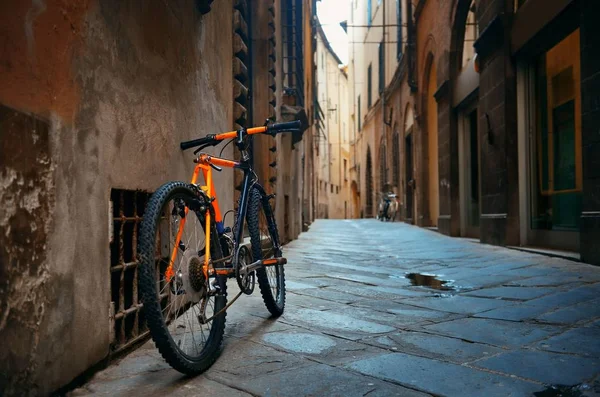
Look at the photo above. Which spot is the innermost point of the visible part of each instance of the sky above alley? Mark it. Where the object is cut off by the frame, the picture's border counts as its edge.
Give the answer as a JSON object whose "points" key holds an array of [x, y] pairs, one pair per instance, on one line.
{"points": [[331, 13]]}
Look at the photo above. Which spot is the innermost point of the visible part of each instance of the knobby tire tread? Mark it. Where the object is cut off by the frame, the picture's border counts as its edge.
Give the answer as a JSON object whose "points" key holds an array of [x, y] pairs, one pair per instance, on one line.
{"points": [[147, 286], [255, 201]]}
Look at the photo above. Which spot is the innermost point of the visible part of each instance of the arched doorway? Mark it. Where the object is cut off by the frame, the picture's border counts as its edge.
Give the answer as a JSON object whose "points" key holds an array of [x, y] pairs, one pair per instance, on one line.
{"points": [[369, 185], [469, 171], [432, 143]]}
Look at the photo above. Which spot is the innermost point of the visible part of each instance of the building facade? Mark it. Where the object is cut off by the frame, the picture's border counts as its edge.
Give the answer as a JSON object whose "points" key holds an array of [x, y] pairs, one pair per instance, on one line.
{"points": [[332, 157], [94, 98], [381, 83], [496, 115]]}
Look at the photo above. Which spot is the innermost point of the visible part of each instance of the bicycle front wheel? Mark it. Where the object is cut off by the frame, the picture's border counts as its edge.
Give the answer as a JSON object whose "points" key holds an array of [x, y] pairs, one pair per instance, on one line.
{"points": [[264, 240], [178, 300]]}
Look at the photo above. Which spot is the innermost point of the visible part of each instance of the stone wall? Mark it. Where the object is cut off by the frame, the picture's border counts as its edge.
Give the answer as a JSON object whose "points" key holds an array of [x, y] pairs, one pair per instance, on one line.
{"points": [[95, 96]]}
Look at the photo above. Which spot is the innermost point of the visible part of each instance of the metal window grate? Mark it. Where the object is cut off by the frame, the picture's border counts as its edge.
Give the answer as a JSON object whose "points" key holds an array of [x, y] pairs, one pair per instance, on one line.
{"points": [[127, 318]]}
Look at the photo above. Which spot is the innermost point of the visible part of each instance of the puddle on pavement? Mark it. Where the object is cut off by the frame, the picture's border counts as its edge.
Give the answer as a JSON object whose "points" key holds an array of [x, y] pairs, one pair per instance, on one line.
{"points": [[563, 391], [429, 281], [300, 343]]}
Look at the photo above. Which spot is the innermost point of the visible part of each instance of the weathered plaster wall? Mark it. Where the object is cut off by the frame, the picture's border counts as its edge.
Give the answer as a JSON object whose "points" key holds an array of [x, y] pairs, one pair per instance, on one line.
{"points": [[119, 85], [27, 197]]}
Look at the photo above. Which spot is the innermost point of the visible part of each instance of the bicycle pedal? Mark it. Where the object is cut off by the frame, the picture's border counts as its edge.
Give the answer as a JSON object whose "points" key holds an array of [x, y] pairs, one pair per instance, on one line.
{"points": [[274, 261]]}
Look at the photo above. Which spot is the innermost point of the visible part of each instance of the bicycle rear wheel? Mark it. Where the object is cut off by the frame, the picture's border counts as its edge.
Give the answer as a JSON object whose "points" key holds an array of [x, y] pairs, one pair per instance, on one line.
{"points": [[264, 240], [177, 306]]}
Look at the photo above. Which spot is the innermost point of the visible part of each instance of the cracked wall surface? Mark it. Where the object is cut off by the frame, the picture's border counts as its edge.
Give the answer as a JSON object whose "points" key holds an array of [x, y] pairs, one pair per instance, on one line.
{"points": [[94, 95], [27, 196]]}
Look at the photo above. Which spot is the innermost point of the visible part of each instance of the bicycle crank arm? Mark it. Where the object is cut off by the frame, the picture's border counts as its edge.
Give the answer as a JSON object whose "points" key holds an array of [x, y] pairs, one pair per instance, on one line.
{"points": [[265, 262]]}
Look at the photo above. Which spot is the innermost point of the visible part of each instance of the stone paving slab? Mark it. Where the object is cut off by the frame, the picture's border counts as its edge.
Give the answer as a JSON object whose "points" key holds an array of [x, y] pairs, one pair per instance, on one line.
{"points": [[159, 384], [548, 368], [406, 314], [297, 298], [323, 348], [516, 312], [355, 326], [332, 294], [435, 346], [512, 293], [351, 327], [458, 304], [442, 378], [547, 281], [318, 380], [495, 332], [573, 314], [566, 298], [584, 341]]}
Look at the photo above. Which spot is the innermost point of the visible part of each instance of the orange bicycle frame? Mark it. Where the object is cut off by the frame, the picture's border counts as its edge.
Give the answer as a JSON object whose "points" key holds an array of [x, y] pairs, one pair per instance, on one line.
{"points": [[204, 164]]}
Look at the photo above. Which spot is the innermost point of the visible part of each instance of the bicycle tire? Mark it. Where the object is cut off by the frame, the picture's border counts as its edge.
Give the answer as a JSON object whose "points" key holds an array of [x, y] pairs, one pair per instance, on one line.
{"points": [[271, 279], [149, 285]]}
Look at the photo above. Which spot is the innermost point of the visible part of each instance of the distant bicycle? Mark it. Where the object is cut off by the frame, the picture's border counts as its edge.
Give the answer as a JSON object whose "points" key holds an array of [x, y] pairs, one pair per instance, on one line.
{"points": [[388, 207], [187, 255]]}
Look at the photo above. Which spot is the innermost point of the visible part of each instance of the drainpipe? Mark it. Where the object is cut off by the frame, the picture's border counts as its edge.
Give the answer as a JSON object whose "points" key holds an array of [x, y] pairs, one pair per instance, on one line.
{"points": [[383, 94]]}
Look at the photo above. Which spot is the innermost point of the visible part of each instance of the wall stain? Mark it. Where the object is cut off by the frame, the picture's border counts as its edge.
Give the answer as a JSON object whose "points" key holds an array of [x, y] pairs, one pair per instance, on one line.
{"points": [[27, 196]]}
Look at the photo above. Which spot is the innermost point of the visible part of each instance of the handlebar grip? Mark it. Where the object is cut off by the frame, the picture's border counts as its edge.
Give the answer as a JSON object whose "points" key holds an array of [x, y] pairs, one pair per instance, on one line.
{"points": [[207, 140], [193, 143], [286, 126]]}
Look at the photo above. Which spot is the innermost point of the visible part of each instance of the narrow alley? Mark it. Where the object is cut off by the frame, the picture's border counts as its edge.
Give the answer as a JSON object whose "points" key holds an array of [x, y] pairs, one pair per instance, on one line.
{"points": [[499, 322]]}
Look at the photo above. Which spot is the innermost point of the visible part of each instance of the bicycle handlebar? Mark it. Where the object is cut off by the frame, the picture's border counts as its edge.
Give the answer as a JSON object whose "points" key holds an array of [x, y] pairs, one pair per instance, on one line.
{"points": [[285, 126], [207, 140], [214, 139]]}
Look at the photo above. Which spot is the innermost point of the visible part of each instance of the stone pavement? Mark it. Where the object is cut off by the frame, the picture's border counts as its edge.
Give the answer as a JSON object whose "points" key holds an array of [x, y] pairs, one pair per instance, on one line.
{"points": [[508, 324]]}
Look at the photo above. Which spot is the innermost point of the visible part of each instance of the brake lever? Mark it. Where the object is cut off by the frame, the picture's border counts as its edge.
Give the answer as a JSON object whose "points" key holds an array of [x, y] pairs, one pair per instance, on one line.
{"points": [[201, 148], [216, 168]]}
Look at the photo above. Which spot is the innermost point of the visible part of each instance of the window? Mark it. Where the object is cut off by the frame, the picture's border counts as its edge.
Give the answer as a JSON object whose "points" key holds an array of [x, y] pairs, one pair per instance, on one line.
{"points": [[381, 68], [345, 169], [359, 118], [369, 86], [331, 188], [369, 13], [556, 164], [399, 20], [322, 60], [471, 34]]}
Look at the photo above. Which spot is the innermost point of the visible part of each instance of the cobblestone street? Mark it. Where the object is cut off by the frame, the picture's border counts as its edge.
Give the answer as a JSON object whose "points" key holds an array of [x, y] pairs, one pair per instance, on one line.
{"points": [[507, 323]]}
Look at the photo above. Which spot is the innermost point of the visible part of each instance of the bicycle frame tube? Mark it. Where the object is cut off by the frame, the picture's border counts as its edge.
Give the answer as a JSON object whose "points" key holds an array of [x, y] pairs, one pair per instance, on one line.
{"points": [[204, 164]]}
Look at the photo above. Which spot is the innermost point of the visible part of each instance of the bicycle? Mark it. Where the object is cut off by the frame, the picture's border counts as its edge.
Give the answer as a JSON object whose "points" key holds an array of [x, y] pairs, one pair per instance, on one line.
{"points": [[186, 254]]}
